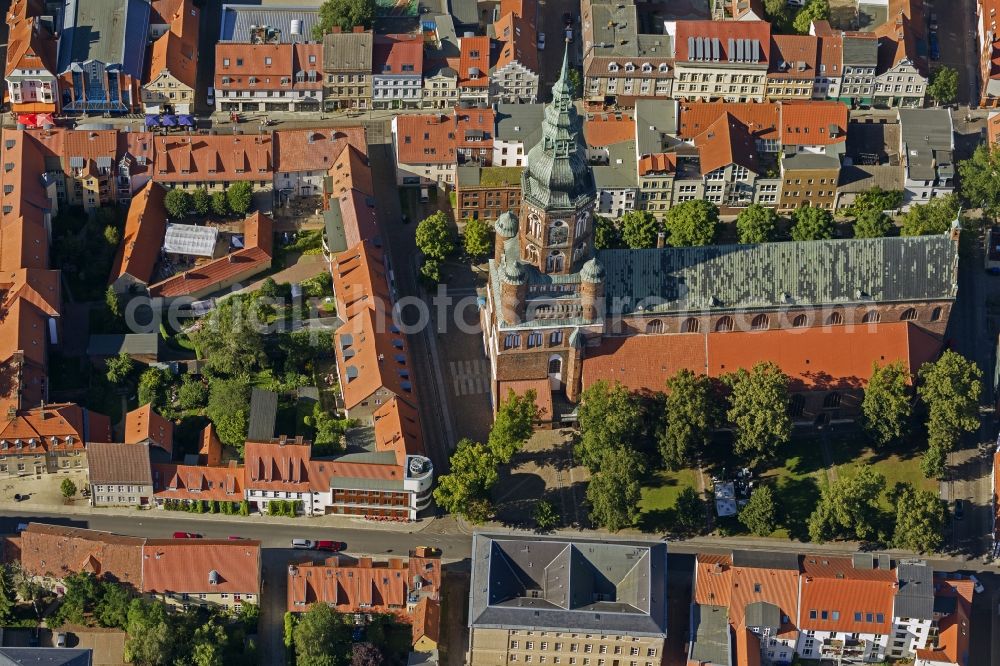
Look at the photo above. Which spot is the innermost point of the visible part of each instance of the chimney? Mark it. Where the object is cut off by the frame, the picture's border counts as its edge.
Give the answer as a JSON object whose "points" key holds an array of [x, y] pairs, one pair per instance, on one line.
{"points": [[661, 239]]}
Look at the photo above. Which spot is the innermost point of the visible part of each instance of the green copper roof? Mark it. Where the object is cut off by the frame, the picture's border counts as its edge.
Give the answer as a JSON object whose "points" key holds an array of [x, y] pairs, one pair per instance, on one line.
{"points": [[557, 176]]}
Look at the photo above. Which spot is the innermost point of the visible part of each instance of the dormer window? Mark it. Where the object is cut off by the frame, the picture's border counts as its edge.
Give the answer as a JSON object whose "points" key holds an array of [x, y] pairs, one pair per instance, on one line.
{"points": [[629, 67], [663, 68], [612, 67], [646, 67], [267, 60]]}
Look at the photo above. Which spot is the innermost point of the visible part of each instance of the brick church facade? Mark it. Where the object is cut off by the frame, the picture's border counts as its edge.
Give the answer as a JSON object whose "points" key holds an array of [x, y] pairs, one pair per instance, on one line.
{"points": [[560, 316]]}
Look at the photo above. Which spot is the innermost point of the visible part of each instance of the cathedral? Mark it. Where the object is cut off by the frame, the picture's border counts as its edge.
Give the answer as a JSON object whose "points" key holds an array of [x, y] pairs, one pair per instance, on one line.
{"points": [[560, 315]]}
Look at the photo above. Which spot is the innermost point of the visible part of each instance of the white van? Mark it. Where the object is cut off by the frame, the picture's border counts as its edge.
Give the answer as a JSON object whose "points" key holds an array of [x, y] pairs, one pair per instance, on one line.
{"points": [[425, 195]]}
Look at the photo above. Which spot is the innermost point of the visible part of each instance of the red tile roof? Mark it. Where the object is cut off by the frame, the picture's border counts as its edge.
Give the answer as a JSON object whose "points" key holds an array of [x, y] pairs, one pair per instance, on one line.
{"points": [[269, 66], [210, 448], [518, 41], [831, 56], [813, 123], [779, 587], [30, 46], [836, 602], [314, 150], [714, 580], [794, 56], [724, 31], [425, 139], [474, 62], [199, 482], [175, 55], [360, 281], [427, 620], [397, 429], [217, 157], [726, 141], [57, 551], [762, 119], [278, 465], [188, 565], [144, 425], [398, 55], [370, 355], [474, 128], [607, 130], [145, 227], [901, 35], [954, 630], [63, 422], [659, 163], [543, 394]]}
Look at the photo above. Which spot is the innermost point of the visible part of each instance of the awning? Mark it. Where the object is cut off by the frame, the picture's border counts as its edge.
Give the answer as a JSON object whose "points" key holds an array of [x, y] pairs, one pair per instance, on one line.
{"points": [[168, 121], [152, 121], [29, 120], [185, 121], [45, 120]]}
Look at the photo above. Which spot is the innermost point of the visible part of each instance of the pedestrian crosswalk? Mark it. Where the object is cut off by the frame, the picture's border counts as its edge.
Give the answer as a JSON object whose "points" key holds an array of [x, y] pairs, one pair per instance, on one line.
{"points": [[470, 377]]}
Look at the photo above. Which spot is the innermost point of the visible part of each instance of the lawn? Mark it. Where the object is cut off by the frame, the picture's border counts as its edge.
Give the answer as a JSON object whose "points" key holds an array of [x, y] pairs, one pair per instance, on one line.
{"points": [[659, 495]]}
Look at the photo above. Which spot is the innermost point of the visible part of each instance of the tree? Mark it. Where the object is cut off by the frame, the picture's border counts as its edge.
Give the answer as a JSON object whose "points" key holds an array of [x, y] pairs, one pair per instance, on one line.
{"points": [[756, 224], [201, 202], [112, 236], [872, 224], [607, 235], [639, 229], [758, 410], [366, 654], [934, 461], [885, 410], [692, 223], [431, 270], [943, 87], [67, 488], [239, 196], [227, 409], [876, 199], [344, 14], [329, 431], [575, 83], [229, 337], [465, 490], [318, 635], [434, 238], [692, 413], [776, 10], [8, 597], [848, 508], [513, 425], [112, 302], [288, 636], [689, 512], [811, 224], [112, 607], [545, 515], [920, 520], [934, 217], [478, 239], [119, 367], [609, 418], [759, 515], [980, 185], [177, 203], [815, 10], [220, 205], [79, 598], [153, 386], [950, 388], [614, 492], [192, 394]]}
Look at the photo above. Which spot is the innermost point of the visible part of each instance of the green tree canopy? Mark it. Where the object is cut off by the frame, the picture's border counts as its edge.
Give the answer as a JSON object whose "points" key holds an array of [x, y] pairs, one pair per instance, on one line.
{"points": [[639, 229], [848, 508], [322, 637], [692, 223], [815, 10], [239, 196], [466, 488], [8, 595], [776, 10], [980, 184], [112, 236], [920, 520], [950, 387], [67, 488], [614, 492], [758, 410], [478, 239], [689, 512], [933, 217], [513, 425], [119, 367], [201, 201], [192, 394], [344, 14], [545, 515], [610, 418], [759, 515], [811, 224], [112, 607], [876, 199], [112, 302], [220, 204], [607, 235], [885, 410], [756, 224], [431, 270], [934, 462], [228, 410], [177, 203], [692, 413], [872, 224], [943, 87], [434, 237], [154, 385], [229, 337]]}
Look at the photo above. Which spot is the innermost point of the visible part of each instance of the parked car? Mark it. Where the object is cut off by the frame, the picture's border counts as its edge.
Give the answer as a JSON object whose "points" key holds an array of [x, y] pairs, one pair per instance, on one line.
{"points": [[303, 544], [311, 544], [541, 41], [569, 35], [935, 48], [332, 546], [425, 195], [976, 585], [186, 535], [959, 509], [210, 97], [933, 21], [60, 640]]}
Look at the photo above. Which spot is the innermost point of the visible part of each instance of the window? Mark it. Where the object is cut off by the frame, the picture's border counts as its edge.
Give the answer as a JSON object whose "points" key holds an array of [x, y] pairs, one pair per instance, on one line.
{"points": [[832, 400], [796, 405], [655, 326], [691, 325], [512, 341], [812, 615], [555, 338], [834, 319], [534, 340], [871, 317], [936, 314], [760, 322], [909, 314], [724, 324], [800, 321]]}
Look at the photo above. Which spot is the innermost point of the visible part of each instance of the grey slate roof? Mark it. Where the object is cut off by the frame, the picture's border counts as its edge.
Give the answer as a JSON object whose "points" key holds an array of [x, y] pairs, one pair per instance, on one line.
{"points": [[39, 656], [263, 415], [110, 31], [145, 344], [860, 51], [655, 124], [618, 175], [856, 178], [615, 26], [727, 277], [915, 596], [112, 463], [758, 560], [763, 614], [519, 122], [928, 142], [710, 631], [568, 585], [348, 52], [810, 161], [237, 19]]}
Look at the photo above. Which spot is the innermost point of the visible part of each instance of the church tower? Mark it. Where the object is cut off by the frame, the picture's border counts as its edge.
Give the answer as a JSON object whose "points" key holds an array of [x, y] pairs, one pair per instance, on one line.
{"points": [[557, 189]]}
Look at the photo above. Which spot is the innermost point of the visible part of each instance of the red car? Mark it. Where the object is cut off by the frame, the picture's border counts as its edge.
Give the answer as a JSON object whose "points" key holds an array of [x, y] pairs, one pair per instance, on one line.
{"points": [[332, 546], [186, 535]]}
